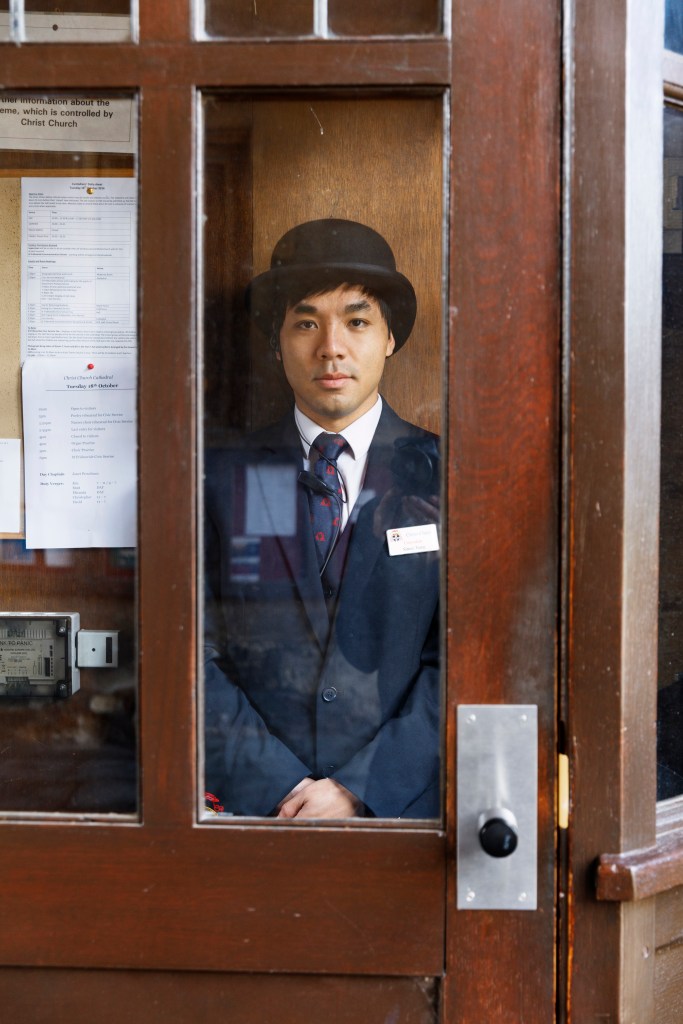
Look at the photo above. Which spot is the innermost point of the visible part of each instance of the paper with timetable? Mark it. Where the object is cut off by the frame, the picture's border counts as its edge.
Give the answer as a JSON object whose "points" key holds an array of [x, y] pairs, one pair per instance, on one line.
{"points": [[80, 454], [78, 267]]}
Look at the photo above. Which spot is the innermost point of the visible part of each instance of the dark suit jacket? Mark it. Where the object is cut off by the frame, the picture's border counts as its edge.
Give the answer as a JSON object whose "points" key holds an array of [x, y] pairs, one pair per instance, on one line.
{"points": [[298, 685]]}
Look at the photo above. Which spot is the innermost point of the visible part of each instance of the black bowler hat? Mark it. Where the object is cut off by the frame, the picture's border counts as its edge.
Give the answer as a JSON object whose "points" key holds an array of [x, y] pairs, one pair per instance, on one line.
{"points": [[341, 252]]}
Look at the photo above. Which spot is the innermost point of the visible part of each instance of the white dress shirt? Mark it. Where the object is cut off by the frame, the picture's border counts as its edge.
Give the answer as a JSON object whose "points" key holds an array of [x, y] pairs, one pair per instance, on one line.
{"points": [[352, 462]]}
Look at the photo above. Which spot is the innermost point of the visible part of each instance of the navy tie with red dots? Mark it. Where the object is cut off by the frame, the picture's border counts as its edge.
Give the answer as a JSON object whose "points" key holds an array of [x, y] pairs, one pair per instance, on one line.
{"points": [[326, 508]]}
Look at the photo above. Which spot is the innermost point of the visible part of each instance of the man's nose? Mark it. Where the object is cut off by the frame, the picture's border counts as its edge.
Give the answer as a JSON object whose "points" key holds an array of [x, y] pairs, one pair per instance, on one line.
{"points": [[331, 344]]}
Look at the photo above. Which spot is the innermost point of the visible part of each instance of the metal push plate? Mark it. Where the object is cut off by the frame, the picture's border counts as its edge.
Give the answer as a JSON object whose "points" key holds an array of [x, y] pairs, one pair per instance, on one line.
{"points": [[497, 768]]}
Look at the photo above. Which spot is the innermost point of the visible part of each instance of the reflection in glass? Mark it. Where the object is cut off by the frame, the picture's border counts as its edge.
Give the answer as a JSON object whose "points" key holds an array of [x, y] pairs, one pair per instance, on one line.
{"points": [[321, 688], [673, 26], [670, 694], [70, 754]]}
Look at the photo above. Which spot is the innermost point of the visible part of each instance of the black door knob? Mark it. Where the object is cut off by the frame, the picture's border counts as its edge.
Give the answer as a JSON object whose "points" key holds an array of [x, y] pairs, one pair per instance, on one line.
{"points": [[498, 832]]}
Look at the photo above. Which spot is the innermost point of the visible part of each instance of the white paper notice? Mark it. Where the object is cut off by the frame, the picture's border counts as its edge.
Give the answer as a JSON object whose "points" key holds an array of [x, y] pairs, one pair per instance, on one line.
{"points": [[78, 267], [67, 123], [80, 455], [10, 485]]}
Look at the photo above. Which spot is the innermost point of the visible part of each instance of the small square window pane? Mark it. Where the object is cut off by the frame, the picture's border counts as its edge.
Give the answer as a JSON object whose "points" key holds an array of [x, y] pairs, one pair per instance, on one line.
{"points": [[384, 17], [259, 18], [77, 21]]}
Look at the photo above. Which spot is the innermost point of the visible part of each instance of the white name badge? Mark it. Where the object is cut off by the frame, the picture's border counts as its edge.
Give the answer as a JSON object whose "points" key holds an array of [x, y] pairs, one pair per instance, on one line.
{"points": [[409, 540]]}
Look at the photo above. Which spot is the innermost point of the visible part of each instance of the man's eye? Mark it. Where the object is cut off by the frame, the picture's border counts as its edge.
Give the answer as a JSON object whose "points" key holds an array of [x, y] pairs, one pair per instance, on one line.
{"points": [[306, 325], [357, 322]]}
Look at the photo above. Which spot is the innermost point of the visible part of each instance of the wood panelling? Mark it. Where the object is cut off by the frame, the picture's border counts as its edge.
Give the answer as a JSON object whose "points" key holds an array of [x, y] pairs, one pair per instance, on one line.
{"points": [[148, 997], [612, 468], [669, 985], [219, 898], [233, 65], [503, 443]]}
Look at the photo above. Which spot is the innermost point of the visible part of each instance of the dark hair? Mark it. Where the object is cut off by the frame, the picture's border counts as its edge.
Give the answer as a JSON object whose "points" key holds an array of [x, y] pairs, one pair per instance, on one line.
{"points": [[321, 284]]}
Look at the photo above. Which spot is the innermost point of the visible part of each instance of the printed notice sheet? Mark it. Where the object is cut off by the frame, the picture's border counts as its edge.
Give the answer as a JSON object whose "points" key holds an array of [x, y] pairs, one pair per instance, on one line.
{"points": [[78, 267], [67, 123], [10, 485], [80, 457]]}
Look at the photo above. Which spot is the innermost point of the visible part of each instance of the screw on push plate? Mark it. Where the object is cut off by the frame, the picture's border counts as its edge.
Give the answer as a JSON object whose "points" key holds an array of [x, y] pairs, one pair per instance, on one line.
{"points": [[471, 895]]}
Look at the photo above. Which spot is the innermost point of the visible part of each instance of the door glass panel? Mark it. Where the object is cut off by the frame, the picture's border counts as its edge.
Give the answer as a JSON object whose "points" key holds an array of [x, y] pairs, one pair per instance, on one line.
{"points": [[259, 18], [322, 18], [673, 26], [68, 199], [670, 694], [321, 680], [79, 21], [384, 17]]}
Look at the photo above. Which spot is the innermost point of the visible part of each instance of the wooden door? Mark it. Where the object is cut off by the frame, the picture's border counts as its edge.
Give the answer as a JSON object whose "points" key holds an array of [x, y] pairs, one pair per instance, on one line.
{"points": [[161, 917]]}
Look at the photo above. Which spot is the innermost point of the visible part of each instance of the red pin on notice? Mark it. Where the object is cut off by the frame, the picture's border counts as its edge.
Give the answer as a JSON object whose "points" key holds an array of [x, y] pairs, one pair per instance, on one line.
{"points": [[91, 366]]}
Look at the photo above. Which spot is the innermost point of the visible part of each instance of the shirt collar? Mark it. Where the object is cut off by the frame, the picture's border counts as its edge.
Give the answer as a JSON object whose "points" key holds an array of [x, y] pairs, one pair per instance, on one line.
{"points": [[358, 434]]}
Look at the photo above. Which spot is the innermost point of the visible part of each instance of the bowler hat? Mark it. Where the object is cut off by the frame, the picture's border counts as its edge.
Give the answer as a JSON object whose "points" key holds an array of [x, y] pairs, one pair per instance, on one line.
{"points": [[338, 251]]}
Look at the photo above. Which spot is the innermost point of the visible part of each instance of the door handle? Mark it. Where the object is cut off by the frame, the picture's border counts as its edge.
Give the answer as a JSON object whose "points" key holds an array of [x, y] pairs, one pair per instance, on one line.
{"points": [[498, 832], [497, 784]]}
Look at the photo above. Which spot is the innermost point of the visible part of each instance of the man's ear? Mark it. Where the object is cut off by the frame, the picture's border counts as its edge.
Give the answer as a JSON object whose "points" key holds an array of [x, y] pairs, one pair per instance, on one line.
{"points": [[391, 344], [274, 342]]}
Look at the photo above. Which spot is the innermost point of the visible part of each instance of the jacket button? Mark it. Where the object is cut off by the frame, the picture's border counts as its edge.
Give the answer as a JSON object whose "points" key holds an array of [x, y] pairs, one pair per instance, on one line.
{"points": [[329, 693]]}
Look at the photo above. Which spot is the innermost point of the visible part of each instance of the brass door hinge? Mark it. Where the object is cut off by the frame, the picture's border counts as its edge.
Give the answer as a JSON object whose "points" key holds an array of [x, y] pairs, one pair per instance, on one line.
{"points": [[562, 791]]}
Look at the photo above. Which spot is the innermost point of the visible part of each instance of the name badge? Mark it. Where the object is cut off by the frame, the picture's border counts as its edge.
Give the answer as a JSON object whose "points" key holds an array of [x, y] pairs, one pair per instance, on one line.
{"points": [[410, 540]]}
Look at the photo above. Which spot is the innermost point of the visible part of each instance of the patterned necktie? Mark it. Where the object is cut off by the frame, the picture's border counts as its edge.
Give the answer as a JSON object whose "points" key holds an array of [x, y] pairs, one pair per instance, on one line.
{"points": [[325, 508]]}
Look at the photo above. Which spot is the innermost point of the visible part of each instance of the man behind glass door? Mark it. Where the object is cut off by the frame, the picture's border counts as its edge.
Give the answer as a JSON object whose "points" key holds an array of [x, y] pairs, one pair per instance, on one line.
{"points": [[321, 557]]}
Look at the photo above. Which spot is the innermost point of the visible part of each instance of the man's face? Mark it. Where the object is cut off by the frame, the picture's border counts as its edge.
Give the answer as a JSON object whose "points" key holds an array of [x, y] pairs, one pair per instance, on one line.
{"points": [[333, 348]]}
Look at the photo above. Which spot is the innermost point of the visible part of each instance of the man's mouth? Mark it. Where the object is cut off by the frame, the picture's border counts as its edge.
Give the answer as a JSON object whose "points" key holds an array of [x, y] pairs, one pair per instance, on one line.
{"points": [[333, 380]]}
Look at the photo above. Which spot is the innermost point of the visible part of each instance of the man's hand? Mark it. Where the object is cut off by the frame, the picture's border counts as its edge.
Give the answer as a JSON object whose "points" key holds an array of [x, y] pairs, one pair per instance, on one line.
{"points": [[297, 789], [323, 798]]}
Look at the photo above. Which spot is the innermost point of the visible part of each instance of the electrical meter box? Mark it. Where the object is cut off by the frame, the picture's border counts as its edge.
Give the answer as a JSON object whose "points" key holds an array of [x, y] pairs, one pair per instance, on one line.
{"points": [[38, 654]]}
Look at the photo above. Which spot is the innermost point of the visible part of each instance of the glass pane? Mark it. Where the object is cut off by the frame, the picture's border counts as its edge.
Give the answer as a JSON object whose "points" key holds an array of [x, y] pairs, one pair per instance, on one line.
{"points": [[322, 690], [384, 17], [258, 18], [323, 18], [68, 454], [673, 26], [670, 703], [79, 21]]}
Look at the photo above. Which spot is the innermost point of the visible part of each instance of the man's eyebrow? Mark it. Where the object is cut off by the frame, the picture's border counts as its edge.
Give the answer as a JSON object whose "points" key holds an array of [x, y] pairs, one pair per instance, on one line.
{"points": [[352, 307]]}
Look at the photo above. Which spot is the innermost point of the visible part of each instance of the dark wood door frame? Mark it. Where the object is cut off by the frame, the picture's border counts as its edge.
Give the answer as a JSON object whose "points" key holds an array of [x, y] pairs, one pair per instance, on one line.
{"points": [[381, 891], [614, 342]]}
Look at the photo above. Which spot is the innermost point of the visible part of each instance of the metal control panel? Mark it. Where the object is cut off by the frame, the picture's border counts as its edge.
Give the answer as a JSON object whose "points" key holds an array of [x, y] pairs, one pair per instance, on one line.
{"points": [[38, 654], [497, 782]]}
